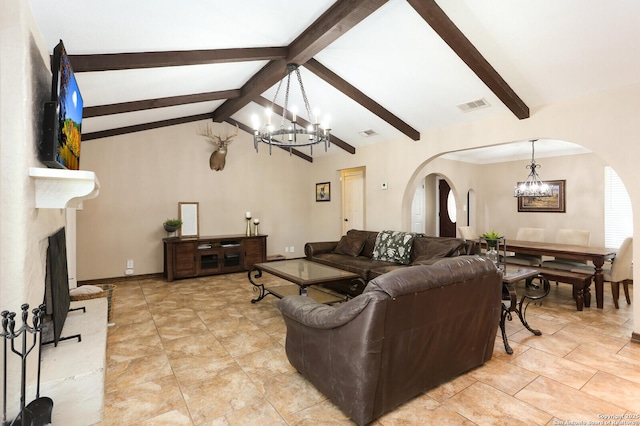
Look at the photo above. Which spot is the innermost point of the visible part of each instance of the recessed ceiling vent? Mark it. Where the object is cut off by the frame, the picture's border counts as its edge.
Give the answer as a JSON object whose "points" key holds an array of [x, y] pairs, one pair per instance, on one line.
{"points": [[367, 133], [474, 105]]}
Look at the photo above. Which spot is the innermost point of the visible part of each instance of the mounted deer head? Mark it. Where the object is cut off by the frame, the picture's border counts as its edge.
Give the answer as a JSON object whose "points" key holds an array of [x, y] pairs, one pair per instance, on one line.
{"points": [[220, 143]]}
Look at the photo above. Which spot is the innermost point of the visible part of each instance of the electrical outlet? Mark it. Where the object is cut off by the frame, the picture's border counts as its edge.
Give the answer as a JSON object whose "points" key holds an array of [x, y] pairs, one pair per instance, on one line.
{"points": [[130, 264], [286, 249], [291, 250], [128, 271]]}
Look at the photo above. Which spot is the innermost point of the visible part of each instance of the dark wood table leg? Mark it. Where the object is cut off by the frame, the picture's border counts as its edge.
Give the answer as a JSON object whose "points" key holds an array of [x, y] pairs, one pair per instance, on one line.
{"points": [[599, 280]]}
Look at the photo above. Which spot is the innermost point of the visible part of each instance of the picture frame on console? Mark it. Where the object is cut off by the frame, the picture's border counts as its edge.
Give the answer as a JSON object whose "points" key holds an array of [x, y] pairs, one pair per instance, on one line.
{"points": [[323, 191], [553, 204]]}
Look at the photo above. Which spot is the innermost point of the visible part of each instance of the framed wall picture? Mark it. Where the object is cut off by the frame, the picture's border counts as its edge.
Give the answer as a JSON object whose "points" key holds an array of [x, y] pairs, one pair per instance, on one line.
{"points": [[556, 203], [323, 191]]}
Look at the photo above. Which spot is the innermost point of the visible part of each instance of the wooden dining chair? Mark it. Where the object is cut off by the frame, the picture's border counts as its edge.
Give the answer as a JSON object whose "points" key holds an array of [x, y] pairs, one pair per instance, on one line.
{"points": [[468, 232], [527, 234], [568, 236]]}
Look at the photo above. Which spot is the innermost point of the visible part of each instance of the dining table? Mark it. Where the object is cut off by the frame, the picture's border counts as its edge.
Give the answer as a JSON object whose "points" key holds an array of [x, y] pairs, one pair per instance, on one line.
{"points": [[597, 255]]}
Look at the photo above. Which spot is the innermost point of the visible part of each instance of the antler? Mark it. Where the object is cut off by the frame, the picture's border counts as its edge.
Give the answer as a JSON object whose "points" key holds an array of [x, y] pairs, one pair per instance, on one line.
{"points": [[217, 139]]}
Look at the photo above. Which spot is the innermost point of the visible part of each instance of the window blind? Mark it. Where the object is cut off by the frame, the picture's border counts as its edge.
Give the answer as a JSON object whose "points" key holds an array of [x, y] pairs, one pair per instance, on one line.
{"points": [[618, 216]]}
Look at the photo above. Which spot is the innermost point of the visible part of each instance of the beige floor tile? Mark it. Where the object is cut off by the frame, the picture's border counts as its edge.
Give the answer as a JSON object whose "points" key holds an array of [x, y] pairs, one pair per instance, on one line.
{"points": [[612, 363], [547, 342], [449, 389], [240, 344], [174, 316], [123, 332], [124, 374], [170, 418], [142, 401], [484, 405], [290, 393], [194, 345], [259, 414], [209, 399], [322, 413], [192, 369], [263, 365], [616, 390], [423, 410], [178, 329], [503, 375], [564, 402], [560, 369], [134, 348]]}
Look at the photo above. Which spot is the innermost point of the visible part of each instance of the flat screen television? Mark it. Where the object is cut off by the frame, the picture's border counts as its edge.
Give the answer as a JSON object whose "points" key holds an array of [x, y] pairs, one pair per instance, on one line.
{"points": [[60, 143]]}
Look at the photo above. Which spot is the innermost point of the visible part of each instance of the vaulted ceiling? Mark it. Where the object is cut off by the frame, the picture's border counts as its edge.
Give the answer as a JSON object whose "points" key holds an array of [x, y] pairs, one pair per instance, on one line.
{"points": [[396, 67]]}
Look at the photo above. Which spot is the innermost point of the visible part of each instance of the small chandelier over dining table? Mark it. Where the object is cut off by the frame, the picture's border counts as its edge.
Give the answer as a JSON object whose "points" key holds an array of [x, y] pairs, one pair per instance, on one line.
{"points": [[293, 131], [533, 186]]}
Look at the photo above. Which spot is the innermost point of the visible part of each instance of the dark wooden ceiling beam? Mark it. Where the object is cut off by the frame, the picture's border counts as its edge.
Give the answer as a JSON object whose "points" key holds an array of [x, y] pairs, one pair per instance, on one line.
{"points": [[345, 87], [249, 130], [449, 32], [260, 82], [277, 109], [124, 61], [337, 20], [119, 108], [173, 122], [332, 24], [144, 126]]}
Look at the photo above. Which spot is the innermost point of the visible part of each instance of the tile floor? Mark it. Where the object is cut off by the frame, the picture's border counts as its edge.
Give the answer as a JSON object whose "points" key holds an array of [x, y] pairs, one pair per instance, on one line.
{"points": [[197, 352]]}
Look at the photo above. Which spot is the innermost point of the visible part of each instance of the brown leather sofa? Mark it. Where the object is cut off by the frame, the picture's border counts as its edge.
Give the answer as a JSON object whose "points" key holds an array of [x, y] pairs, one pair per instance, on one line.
{"points": [[410, 330], [354, 253]]}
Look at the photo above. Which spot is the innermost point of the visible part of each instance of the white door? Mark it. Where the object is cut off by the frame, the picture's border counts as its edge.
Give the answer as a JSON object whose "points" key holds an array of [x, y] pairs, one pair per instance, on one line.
{"points": [[418, 209], [352, 199]]}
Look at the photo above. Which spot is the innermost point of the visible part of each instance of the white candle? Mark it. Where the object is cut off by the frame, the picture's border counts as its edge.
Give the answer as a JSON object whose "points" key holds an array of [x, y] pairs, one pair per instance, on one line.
{"points": [[248, 215], [256, 221]]}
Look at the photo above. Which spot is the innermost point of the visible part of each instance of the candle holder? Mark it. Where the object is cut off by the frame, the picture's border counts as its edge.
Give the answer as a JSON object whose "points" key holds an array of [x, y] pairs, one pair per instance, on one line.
{"points": [[248, 227], [256, 222]]}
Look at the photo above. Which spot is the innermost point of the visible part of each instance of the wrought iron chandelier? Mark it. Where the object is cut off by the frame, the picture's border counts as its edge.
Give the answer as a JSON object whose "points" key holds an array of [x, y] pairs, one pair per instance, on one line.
{"points": [[533, 186], [293, 132]]}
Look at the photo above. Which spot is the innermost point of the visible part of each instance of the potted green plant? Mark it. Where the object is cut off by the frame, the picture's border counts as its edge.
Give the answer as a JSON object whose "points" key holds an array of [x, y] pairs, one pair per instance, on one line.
{"points": [[492, 238], [492, 244], [172, 225]]}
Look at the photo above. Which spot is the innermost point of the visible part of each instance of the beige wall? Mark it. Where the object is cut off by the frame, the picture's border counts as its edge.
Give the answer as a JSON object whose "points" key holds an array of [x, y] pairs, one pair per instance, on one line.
{"points": [[497, 209], [144, 175]]}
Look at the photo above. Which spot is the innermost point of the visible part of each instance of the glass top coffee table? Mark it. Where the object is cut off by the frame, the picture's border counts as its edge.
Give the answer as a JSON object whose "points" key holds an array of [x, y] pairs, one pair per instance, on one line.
{"points": [[304, 274]]}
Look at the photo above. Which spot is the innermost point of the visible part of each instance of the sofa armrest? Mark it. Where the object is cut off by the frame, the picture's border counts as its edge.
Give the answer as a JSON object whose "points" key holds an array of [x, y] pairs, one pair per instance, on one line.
{"points": [[312, 249], [316, 315]]}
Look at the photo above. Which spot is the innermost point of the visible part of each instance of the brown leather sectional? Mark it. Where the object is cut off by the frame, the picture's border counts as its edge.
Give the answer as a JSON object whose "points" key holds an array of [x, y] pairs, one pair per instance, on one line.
{"points": [[426, 250], [410, 330]]}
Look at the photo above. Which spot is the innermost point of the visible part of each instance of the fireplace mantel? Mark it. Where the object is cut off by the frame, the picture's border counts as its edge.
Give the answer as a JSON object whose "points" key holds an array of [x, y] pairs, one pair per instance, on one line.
{"points": [[59, 189]]}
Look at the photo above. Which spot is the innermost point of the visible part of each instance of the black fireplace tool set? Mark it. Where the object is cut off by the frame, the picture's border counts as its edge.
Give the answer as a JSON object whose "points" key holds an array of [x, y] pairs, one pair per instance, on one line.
{"points": [[38, 411]]}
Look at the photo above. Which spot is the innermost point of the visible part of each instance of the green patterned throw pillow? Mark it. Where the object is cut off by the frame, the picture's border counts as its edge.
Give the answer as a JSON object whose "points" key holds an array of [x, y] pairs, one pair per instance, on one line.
{"points": [[394, 246]]}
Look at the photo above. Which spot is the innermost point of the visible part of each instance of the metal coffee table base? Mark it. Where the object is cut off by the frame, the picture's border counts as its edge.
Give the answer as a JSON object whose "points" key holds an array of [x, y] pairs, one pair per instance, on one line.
{"points": [[311, 284]]}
